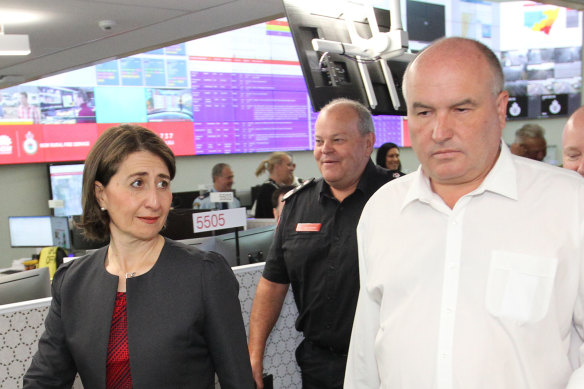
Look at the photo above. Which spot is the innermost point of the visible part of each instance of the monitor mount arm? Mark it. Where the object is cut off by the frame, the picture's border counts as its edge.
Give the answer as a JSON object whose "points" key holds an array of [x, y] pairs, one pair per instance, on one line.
{"points": [[379, 48]]}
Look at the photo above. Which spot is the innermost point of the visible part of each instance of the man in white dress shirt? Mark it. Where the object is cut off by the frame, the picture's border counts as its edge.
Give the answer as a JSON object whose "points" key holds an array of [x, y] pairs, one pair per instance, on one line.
{"points": [[478, 281]]}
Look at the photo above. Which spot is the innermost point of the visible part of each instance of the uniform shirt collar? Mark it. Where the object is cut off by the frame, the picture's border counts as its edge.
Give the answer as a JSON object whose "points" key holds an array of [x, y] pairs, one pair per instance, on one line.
{"points": [[502, 180], [363, 186]]}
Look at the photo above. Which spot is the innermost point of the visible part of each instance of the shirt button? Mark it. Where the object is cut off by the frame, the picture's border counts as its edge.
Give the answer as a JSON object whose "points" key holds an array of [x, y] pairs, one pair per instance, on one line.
{"points": [[328, 326], [443, 355], [332, 267], [328, 298]]}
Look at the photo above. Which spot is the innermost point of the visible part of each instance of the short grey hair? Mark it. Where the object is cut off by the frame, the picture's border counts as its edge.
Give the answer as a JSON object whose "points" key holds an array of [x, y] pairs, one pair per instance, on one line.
{"points": [[217, 170], [364, 119], [529, 131]]}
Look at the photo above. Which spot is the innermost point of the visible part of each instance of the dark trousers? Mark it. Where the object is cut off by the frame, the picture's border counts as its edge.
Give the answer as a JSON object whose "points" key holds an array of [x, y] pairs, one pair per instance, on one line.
{"points": [[320, 367]]}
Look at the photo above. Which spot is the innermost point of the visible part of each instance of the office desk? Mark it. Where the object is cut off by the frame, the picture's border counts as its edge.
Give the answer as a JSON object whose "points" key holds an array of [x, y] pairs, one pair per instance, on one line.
{"points": [[21, 325]]}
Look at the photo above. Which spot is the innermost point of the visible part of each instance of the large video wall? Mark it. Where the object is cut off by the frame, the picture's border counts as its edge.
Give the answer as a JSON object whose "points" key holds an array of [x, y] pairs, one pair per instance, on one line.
{"points": [[243, 91]]}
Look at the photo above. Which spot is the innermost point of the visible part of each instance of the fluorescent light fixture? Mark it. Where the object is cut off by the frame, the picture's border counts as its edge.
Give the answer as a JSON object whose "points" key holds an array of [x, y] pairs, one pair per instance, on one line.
{"points": [[14, 44]]}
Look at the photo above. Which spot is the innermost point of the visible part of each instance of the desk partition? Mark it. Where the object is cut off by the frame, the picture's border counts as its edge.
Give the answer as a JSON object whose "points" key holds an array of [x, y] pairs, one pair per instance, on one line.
{"points": [[21, 325]]}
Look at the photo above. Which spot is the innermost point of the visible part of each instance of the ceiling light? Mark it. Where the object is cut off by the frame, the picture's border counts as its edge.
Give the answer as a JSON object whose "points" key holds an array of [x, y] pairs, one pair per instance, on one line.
{"points": [[13, 44]]}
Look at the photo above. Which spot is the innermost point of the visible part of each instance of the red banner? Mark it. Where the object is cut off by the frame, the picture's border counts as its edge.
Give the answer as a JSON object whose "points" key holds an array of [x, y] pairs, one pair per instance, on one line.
{"points": [[32, 143]]}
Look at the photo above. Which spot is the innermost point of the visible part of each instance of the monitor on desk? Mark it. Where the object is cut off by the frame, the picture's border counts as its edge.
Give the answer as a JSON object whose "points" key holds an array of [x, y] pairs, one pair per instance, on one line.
{"points": [[25, 285], [254, 245], [39, 231]]}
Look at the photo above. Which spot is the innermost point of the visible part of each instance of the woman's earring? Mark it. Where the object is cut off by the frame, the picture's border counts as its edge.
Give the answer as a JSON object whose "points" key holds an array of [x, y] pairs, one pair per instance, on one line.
{"points": [[103, 209]]}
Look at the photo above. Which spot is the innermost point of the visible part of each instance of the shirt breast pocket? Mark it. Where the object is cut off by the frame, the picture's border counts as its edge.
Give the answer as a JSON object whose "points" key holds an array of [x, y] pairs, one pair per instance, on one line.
{"points": [[520, 286]]}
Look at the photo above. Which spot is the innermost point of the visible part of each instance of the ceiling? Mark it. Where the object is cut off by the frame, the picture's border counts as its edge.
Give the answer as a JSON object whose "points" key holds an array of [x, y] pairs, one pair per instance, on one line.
{"points": [[65, 34]]}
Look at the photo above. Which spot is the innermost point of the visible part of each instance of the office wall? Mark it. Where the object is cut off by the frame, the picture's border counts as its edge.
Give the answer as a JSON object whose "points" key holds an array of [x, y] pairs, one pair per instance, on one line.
{"points": [[25, 188]]}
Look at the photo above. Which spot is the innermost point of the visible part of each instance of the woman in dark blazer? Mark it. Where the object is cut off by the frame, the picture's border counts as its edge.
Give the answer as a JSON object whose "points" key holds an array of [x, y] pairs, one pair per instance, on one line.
{"points": [[144, 311]]}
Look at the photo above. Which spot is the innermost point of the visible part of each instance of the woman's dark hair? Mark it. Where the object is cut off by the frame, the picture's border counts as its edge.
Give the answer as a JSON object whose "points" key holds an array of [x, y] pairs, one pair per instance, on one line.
{"points": [[102, 163], [382, 153]]}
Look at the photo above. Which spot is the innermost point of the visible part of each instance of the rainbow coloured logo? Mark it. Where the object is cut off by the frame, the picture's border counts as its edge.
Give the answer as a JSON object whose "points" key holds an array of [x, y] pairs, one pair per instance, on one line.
{"points": [[541, 21]]}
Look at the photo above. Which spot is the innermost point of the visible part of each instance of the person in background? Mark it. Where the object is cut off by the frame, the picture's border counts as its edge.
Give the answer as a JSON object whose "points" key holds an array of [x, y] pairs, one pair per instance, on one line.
{"points": [[573, 142], [27, 111], [466, 300], [277, 199], [315, 248], [388, 157], [280, 167], [85, 114], [530, 142], [295, 180], [222, 182], [144, 311]]}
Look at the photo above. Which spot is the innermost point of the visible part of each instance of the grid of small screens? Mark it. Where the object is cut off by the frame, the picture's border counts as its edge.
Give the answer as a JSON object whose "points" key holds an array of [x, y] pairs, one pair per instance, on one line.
{"points": [[39, 231]]}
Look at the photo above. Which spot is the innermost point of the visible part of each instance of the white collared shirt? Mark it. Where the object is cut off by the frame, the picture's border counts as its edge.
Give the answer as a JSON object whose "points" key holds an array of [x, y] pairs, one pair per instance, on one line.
{"points": [[484, 295]]}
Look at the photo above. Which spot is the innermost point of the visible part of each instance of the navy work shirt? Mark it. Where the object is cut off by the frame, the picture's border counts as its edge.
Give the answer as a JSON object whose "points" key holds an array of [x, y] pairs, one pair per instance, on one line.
{"points": [[315, 249]]}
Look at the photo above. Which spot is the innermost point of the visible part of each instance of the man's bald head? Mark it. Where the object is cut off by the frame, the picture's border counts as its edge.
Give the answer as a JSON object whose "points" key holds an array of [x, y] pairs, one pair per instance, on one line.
{"points": [[573, 142]]}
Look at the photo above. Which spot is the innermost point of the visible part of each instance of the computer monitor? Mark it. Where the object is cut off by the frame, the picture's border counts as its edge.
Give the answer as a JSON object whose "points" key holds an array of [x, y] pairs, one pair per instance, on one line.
{"points": [[66, 182], [39, 231], [336, 75], [25, 285], [254, 245], [184, 200]]}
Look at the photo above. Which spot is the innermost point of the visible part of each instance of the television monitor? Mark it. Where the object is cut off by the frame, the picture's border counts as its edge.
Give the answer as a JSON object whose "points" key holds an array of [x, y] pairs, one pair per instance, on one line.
{"points": [[426, 21], [334, 75], [254, 245], [25, 285], [39, 231], [66, 182]]}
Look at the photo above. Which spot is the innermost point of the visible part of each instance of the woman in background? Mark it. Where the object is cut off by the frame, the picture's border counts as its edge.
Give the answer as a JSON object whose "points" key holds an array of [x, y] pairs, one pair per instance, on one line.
{"points": [[281, 169], [388, 157], [144, 311]]}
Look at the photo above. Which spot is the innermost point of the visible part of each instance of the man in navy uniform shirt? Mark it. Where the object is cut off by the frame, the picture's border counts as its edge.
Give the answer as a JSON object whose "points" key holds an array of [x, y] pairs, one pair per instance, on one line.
{"points": [[315, 248]]}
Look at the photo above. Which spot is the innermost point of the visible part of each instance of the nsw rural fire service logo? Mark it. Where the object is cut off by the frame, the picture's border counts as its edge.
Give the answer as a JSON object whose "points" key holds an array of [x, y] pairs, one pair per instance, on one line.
{"points": [[30, 145]]}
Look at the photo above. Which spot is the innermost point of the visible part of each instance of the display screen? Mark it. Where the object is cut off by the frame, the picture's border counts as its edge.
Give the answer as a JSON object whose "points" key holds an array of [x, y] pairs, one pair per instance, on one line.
{"points": [[243, 91], [66, 182], [39, 231]]}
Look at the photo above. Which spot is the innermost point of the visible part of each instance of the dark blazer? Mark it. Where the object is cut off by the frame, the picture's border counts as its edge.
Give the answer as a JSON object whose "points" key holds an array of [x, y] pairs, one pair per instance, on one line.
{"points": [[184, 324]]}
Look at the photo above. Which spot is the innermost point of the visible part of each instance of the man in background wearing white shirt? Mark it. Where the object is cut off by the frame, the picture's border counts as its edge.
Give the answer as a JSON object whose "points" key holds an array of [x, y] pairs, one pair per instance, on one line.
{"points": [[477, 280], [573, 142], [222, 182]]}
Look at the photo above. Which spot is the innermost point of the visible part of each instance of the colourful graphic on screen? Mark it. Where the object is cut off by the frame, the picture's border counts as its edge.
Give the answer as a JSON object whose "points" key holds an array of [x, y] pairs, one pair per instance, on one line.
{"points": [[541, 20]]}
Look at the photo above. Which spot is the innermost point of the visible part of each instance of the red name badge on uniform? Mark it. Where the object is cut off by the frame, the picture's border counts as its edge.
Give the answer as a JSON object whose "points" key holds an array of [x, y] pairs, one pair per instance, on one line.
{"points": [[308, 227]]}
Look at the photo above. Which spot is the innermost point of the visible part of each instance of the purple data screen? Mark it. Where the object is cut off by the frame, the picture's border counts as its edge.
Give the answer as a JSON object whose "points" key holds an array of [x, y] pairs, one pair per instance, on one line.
{"points": [[258, 112], [388, 129]]}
